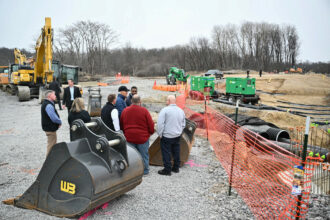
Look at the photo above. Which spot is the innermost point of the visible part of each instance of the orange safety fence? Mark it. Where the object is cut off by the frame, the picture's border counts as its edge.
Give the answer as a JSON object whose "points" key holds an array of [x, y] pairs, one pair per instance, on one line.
{"points": [[118, 80], [262, 172], [125, 79], [102, 84], [169, 88], [122, 79]]}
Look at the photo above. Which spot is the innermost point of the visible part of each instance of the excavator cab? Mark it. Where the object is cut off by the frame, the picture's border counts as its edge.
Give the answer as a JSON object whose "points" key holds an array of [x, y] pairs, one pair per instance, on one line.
{"points": [[63, 72]]}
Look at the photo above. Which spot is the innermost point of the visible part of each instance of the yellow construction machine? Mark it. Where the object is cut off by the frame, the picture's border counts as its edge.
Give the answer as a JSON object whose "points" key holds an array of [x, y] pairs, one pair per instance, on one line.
{"points": [[27, 81], [20, 58], [3, 77]]}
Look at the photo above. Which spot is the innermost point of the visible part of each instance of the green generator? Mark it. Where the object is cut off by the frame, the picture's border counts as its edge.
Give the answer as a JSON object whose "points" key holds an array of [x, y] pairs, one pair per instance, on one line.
{"points": [[201, 86], [243, 89]]}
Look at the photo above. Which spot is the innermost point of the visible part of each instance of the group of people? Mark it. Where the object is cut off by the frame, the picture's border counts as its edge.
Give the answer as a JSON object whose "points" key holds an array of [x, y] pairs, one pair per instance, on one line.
{"points": [[122, 113]]}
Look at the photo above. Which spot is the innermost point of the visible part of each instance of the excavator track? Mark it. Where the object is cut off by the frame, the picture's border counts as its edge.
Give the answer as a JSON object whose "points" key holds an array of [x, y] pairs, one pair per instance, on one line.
{"points": [[11, 89]]}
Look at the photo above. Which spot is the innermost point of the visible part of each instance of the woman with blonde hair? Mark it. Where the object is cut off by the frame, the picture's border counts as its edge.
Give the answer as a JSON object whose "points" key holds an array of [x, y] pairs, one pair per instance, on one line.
{"points": [[78, 111]]}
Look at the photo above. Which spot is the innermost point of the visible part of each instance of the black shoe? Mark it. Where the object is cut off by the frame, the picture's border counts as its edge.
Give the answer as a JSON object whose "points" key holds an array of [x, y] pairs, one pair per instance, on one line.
{"points": [[175, 170], [164, 172]]}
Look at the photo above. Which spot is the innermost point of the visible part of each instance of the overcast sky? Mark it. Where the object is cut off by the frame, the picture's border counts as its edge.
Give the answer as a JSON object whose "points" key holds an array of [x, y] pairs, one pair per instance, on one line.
{"points": [[165, 23]]}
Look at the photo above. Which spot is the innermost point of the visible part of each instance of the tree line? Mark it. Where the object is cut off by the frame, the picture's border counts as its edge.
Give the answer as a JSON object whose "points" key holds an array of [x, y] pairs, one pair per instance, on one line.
{"points": [[251, 45]]}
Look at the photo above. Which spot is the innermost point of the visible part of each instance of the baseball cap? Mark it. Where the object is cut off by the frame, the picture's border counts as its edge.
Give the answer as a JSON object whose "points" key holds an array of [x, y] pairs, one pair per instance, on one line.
{"points": [[123, 88]]}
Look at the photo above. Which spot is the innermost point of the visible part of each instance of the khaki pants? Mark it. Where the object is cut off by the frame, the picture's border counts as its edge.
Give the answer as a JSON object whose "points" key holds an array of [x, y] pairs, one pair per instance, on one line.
{"points": [[51, 139]]}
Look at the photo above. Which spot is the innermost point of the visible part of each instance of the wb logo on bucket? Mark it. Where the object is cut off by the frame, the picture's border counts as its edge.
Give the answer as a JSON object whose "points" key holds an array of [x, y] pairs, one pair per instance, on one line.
{"points": [[68, 187]]}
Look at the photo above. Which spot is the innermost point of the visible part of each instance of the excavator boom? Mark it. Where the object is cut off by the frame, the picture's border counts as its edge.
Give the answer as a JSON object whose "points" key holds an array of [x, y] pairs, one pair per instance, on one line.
{"points": [[20, 58], [44, 55]]}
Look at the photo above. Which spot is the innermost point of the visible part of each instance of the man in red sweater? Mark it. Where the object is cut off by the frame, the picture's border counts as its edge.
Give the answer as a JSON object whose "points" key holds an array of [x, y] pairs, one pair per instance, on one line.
{"points": [[138, 126]]}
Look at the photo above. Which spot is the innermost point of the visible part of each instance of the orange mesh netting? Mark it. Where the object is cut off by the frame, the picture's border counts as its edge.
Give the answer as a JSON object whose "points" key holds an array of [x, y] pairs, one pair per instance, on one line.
{"points": [[262, 172], [122, 79], [169, 88]]}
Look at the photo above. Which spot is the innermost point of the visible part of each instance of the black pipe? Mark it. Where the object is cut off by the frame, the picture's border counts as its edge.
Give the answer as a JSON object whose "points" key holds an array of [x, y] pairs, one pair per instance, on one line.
{"points": [[276, 134], [298, 104], [268, 132]]}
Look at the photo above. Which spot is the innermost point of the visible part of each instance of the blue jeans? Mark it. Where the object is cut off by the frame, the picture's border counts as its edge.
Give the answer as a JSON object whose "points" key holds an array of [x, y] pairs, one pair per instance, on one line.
{"points": [[170, 146], [143, 149]]}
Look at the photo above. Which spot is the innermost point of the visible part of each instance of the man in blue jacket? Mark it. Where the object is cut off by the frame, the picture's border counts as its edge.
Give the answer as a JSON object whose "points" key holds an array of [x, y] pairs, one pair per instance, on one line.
{"points": [[120, 103]]}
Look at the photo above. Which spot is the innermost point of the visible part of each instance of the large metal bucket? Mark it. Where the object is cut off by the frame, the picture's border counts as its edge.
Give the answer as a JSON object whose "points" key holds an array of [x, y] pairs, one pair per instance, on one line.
{"points": [[186, 142], [97, 166]]}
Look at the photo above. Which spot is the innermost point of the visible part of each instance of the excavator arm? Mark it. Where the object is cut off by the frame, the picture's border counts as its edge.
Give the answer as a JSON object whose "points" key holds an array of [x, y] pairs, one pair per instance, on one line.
{"points": [[20, 58], [43, 72]]}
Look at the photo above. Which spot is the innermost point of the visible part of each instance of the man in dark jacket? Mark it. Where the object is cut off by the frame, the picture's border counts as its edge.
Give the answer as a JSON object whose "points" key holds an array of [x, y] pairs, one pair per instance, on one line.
{"points": [[109, 113], [55, 86], [120, 103], [50, 119], [129, 97], [70, 93]]}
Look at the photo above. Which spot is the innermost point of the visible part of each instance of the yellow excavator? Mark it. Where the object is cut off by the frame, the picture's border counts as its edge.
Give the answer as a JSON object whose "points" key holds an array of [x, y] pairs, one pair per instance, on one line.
{"points": [[30, 82], [4, 77]]}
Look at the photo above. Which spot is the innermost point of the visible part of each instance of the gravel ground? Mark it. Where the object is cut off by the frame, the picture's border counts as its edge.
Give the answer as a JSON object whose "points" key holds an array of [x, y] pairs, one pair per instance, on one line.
{"points": [[197, 192]]}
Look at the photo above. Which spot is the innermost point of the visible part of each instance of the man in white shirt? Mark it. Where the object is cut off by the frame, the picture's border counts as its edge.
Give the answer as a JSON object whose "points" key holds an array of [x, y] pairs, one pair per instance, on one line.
{"points": [[70, 93], [170, 124]]}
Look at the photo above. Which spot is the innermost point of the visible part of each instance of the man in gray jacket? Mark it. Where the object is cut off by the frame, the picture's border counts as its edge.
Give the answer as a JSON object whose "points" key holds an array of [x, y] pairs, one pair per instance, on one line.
{"points": [[170, 124]]}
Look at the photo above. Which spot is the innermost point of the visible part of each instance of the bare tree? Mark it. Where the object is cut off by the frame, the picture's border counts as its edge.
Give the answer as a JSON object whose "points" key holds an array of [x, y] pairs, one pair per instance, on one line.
{"points": [[249, 45], [86, 44]]}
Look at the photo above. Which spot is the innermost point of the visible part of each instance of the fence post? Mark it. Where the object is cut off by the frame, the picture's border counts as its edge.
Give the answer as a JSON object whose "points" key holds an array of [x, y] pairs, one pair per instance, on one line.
{"points": [[233, 153], [205, 115], [303, 161]]}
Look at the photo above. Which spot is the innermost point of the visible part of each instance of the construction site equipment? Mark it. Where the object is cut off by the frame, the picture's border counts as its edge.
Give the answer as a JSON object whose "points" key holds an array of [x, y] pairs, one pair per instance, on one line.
{"points": [[20, 58], [94, 102], [202, 86], [186, 142], [64, 72], [176, 75], [242, 89], [94, 168], [27, 81], [4, 80]]}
